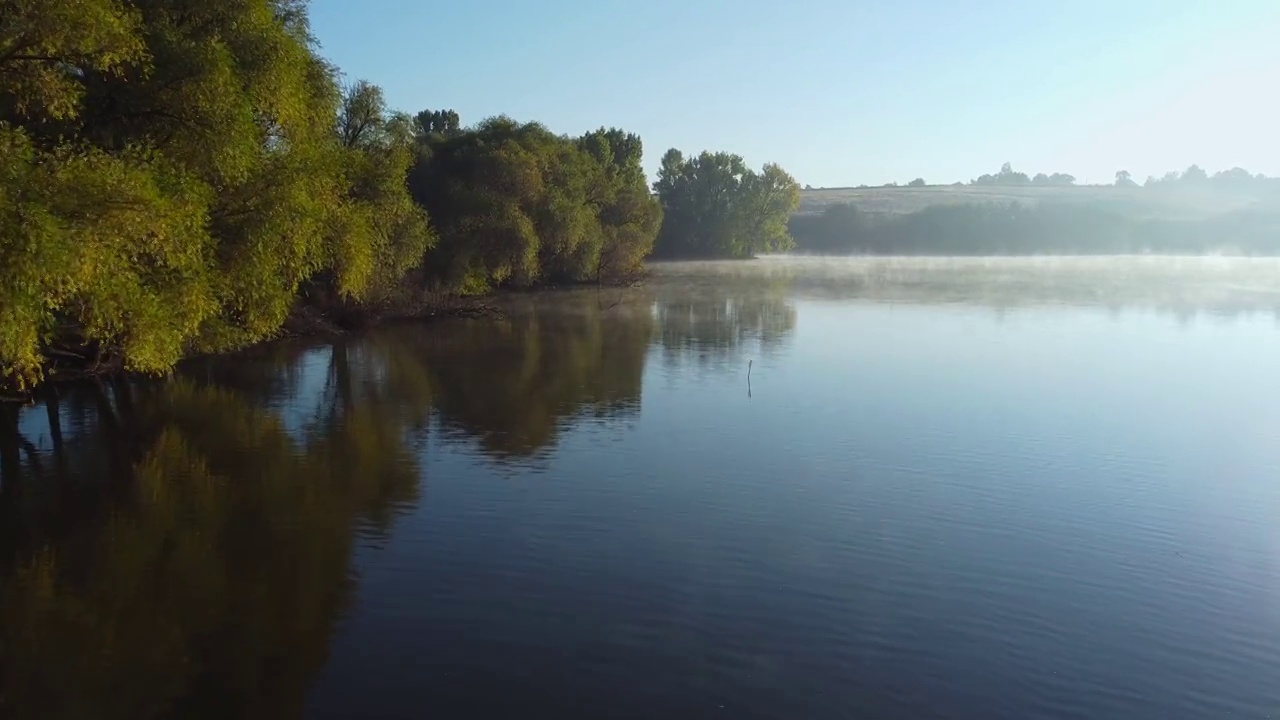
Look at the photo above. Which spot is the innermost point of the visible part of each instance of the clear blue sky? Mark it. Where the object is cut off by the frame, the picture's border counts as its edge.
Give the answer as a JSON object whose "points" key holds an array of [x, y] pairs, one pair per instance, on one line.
{"points": [[841, 92]]}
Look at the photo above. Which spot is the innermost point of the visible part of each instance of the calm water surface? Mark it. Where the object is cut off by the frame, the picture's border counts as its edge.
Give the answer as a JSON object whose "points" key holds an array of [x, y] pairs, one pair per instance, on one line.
{"points": [[990, 489]]}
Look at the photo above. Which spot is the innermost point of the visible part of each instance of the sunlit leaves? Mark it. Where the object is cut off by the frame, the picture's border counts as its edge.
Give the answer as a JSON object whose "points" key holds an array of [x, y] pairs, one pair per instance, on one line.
{"points": [[177, 173], [46, 47], [112, 242], [172, 175]]}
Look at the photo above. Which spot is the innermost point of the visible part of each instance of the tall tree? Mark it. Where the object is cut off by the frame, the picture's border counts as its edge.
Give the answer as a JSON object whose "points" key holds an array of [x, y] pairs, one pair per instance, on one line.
{"points": [[518, 205], [377, 232], [437, 122], [169, 178], [362, 115], [629, 215], [715, 206]]}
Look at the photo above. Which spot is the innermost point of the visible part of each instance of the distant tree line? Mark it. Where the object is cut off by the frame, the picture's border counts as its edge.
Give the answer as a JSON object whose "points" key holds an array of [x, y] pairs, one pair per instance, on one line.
{"points": [[1021, 229], [1195, 177], [1233, 179], [1009, 176], [178, 177]]}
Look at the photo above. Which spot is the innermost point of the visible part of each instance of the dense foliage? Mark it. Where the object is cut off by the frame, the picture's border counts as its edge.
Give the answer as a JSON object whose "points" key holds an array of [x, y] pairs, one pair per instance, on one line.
{"points": [[515, 204], [1020, 229], [176, 177], [714, 206], [172, 175]]}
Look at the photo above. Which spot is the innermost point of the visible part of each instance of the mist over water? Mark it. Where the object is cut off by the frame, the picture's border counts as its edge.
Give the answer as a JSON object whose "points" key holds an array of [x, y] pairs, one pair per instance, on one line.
{"points": [[1192, 283], [957, 488]]}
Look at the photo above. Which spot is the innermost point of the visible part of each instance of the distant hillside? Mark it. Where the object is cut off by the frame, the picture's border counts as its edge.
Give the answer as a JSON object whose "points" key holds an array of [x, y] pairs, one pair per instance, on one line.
{"points": [[1138, 202]]}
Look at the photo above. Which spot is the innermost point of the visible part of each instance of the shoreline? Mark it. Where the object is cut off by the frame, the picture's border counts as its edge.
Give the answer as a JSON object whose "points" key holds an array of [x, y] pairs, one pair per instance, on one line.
{"points": [[67, 366], [304, 322], [309, 321]]}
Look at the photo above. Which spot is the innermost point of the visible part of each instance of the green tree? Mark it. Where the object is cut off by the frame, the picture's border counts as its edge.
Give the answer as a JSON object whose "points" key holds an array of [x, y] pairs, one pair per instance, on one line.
{"points": [[104, 252], [169, 179], [437, 122], [715, 206], [481, 188], [41, 40], [918, 182], [109, 242], [377, 232], [517, 205], [629, 215], [362, 116]]}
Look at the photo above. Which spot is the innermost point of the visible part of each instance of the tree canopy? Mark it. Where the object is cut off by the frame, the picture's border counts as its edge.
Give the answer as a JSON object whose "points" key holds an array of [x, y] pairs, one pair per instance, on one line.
{"points": [[172, 174], [178, 177], [715, 206], [516, 204]]}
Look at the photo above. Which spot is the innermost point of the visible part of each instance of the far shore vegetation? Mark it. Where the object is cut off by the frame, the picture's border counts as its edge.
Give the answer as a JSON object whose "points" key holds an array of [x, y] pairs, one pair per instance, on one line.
{"points": [[1009, 213]]}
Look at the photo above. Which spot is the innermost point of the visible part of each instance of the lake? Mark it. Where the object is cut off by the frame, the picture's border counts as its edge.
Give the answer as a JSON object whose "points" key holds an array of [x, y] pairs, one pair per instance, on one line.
{"points": [[783, 488]]}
